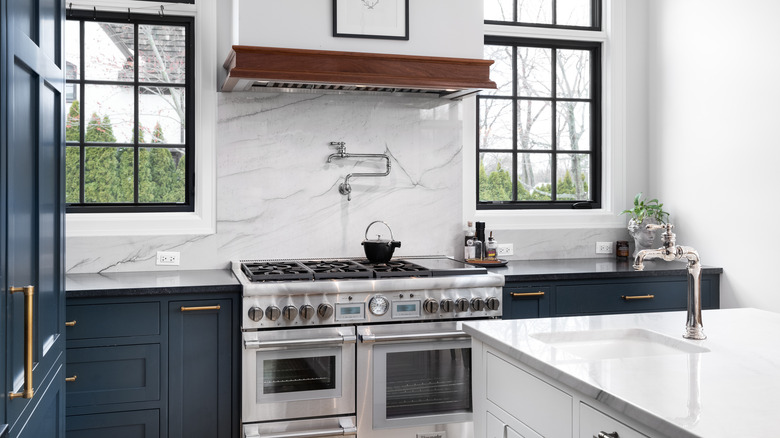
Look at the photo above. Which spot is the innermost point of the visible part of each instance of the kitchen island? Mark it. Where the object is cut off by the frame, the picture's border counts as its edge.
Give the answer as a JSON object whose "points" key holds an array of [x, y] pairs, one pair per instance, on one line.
{"points": [[633, 374]]}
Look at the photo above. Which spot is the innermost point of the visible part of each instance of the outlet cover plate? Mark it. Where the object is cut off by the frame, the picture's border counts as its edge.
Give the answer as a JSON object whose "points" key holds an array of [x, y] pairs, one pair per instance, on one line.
{"points": [[505, 249], [603, 247], [167, 258]]}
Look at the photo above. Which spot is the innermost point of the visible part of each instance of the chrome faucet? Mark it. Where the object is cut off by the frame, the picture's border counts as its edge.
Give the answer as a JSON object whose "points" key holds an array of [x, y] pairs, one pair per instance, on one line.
{"points": [[669, 252]]}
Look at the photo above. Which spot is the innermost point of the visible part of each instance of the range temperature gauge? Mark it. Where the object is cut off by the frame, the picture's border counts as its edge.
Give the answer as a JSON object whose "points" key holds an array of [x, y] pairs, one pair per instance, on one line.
{"points": [[378, 305]]}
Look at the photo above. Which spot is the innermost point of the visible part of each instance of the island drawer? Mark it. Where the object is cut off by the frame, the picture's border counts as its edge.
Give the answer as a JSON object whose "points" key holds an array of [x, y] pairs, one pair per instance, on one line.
{"points": [[629, 297], [593, 422], [544, 408], [94, 321], [108, 375]]}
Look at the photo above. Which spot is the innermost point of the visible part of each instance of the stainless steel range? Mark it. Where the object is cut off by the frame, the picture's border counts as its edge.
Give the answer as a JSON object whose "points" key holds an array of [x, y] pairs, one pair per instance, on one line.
{"points": [[345, 347]]}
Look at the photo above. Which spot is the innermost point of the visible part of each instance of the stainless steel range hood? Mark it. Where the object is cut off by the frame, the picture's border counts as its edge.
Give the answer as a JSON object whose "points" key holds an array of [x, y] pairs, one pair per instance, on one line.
{"points": [[320, 71]]}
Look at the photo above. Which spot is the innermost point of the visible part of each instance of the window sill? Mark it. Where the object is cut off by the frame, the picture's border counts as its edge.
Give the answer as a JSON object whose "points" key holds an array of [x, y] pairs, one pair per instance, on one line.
{"points": [[549, 219], [141, 224]]}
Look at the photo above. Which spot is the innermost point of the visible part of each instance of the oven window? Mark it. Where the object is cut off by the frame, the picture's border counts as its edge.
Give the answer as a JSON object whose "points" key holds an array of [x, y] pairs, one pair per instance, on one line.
{"points": [[432, 382], [298, 374]]}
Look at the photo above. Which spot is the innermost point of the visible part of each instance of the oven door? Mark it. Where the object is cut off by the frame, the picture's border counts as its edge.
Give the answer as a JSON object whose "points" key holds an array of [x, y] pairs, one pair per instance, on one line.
{"points": [[413, 376], [298, 373]]}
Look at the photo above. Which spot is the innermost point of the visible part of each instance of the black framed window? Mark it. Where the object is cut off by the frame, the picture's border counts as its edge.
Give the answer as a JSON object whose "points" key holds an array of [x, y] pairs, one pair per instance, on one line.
{"points": [[561, 14], [129, 113], [539, 132]]}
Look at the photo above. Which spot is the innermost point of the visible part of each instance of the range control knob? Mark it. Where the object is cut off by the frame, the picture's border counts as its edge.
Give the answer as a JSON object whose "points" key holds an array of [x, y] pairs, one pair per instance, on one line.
{"points": [[477, 304], [430, 305], [290, 312], [447, 305], [272, 313], [255, 314], [307, 312], [325, 311], [492, 303], [462, 305]]}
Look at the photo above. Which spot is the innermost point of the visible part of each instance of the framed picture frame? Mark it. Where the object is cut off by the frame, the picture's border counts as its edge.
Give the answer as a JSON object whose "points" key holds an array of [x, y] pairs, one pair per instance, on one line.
{"points": [[384, 19]]}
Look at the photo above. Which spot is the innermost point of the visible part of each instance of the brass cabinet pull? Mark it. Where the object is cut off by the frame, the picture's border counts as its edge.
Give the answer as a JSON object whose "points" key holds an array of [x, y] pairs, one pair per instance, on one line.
{"points": [[638, 297], [70, 323], [195, 309], [29, 292], [71, 379], [527, 294]]}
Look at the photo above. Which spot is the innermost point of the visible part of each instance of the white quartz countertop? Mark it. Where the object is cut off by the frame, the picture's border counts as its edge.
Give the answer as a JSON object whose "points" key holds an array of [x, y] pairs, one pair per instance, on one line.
{"points": [[731, 390]]}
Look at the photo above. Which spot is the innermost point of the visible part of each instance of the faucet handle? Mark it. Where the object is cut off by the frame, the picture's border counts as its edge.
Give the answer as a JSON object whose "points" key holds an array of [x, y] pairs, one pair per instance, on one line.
{"points": [[667, 227]]}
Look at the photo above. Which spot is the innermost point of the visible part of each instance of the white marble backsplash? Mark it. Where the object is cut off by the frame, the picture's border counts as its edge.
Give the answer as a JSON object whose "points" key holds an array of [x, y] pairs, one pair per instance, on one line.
{"points": [[278, 198]]}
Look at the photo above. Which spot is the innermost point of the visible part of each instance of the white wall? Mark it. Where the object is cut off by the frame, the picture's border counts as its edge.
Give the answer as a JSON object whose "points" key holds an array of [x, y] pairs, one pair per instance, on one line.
{"points": [[713, 120]]}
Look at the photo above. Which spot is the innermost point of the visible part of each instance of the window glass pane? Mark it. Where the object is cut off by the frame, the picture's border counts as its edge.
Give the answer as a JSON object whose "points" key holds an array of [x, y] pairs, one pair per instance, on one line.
{"points": [[573, 177], [162, 55], [499, 10], [534, 176], [495, 124], [72, 47], [534, 72], [161, 115], [495, 177], [161, 175], [72, 170], [110, 109], [574, 12], [108, 51], [534, 124], [108, 175], [574, 126], [573, 73], [534, 11], [501, 70], [73, 119]]}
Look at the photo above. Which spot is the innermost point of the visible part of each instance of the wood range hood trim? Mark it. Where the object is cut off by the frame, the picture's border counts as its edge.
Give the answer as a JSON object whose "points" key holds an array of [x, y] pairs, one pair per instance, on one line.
{"points": [[279, 69]]}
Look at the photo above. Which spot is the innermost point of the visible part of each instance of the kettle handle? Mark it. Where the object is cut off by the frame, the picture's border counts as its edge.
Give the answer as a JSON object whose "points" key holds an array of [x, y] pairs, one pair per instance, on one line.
{"points": [[388, 227]]}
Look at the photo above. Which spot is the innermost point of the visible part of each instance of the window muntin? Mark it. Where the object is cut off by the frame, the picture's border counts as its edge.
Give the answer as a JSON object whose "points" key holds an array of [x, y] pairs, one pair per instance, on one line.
{"points": [[576, 14], [541, 125], [133, 148]]}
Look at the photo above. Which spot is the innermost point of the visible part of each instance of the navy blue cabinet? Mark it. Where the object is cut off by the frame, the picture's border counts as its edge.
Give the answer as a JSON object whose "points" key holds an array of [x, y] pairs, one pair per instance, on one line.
{"points": [[621, 294], [163, 366]]}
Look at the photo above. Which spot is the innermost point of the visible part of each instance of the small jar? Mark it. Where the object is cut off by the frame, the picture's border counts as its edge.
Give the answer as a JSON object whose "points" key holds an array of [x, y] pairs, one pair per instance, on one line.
{"points": [[621, 249]]}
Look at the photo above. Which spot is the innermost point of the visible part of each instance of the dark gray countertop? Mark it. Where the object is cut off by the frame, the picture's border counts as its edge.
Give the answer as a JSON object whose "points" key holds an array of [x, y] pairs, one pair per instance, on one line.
{"points": [[581, 269], [150, 283]]}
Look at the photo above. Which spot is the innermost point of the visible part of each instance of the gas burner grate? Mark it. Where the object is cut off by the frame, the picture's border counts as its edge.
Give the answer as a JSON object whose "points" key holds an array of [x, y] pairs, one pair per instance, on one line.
{"points": [[276, 271], [337, 269], [396, 268]]}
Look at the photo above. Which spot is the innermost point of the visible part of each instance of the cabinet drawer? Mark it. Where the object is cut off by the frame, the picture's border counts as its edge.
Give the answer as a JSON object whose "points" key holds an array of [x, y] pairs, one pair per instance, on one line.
{"points": [[134, 424], [112, 320], [526, 301], [105, 375], [626, 297], [538, 405], [592, 422]]}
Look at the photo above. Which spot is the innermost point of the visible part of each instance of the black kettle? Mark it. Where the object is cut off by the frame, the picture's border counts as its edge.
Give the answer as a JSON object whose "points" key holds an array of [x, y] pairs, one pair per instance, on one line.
{"points": [[380, 250]]}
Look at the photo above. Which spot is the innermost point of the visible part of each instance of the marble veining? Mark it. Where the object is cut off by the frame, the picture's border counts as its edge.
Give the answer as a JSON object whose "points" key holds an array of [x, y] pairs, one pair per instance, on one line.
{"points": [[278, 198], [727, 391]]}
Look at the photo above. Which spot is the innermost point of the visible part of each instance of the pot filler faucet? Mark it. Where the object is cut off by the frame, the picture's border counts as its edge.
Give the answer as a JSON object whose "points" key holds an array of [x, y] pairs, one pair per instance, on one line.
{"points": [[345, 188], [669, 252]]}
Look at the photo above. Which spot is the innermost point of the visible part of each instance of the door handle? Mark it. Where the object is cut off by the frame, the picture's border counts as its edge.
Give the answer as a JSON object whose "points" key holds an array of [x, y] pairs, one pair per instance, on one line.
{"points": [[29, 293], [71, 379]]}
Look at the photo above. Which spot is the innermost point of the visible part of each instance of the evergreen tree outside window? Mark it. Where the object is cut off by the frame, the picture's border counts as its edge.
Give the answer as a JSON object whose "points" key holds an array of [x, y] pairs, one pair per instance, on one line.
{"points": [[129, 126]]}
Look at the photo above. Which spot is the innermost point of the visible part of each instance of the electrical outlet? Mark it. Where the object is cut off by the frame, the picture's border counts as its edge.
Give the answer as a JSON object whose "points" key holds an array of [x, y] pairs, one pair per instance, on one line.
{"points": [[603, 247], [167, 258], [505, 249]]}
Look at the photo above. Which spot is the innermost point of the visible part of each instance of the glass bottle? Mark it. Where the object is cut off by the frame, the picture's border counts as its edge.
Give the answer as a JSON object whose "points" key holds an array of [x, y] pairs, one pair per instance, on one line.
{"points": [[491, 249]]}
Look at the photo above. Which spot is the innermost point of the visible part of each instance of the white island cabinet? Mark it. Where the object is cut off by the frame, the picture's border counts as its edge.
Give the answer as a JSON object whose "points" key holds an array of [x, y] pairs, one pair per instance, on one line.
{"points": [[627, 376]]}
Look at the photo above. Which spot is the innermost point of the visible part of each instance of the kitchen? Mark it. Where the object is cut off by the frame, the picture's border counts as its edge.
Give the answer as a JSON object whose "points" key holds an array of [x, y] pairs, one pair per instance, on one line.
{"points": [[268, 141]]}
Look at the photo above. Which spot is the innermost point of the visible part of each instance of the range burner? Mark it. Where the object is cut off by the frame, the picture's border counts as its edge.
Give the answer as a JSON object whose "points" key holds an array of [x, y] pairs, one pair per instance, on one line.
{"points": [[333, 269], [276, 271], [329, 269], [396, 268]]}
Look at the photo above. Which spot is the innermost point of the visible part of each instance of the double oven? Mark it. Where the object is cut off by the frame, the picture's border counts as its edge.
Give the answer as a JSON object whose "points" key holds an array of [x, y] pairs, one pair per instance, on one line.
{"points": [[377, 356]]}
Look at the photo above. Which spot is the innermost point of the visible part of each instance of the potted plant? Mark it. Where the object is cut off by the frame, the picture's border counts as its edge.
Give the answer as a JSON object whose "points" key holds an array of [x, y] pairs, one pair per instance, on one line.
{"points": [[644, 212]]}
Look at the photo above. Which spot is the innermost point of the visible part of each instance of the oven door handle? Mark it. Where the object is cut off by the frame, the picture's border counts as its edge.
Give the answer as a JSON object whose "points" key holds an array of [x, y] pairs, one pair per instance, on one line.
{"points": [[351, 430], [370, 339], [336, 340]]}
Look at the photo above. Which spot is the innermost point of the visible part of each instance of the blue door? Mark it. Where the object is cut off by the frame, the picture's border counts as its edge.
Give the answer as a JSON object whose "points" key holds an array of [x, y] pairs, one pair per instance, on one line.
{"points": [[32, 218]]}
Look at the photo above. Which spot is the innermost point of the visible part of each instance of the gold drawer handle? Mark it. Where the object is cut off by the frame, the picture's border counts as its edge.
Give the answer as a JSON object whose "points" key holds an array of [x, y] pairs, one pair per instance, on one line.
{"points": [[71, 379], [195, 309], [29, 292], [527, 294], [70, 323], [638, 297]]}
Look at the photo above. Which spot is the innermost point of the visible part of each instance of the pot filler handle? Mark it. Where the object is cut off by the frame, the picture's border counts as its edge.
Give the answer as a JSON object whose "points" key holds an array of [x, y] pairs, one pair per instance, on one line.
{"points": [[335, 340]]}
